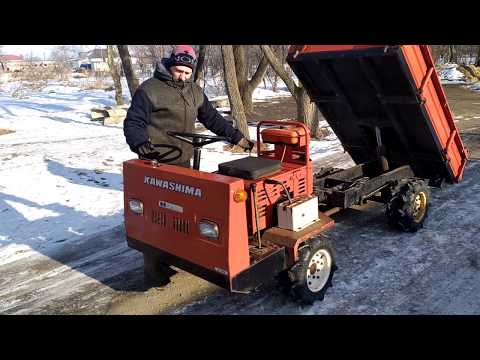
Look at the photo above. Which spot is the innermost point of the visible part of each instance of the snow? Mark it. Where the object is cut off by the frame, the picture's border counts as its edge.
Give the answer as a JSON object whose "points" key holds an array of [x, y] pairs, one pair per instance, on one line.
{"points": [[61, 173], [475, 87], [449, 74]]}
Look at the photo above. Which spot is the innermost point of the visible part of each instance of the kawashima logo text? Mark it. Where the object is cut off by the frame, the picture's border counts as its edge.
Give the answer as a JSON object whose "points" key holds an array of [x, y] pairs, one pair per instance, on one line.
{"points": [[173, 186]]}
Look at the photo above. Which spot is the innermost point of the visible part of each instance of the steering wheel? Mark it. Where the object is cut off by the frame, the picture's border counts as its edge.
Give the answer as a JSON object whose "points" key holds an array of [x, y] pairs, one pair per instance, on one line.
{"points": [[197, 140], [163, 158]]}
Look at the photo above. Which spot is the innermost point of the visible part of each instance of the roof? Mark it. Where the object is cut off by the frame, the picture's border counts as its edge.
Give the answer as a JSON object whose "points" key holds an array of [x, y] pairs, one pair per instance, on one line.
{"points": [[10, 57], [94, 54]]}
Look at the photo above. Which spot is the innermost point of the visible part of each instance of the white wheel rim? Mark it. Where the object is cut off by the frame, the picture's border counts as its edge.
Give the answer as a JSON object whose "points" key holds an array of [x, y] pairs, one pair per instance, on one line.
{"points": [[318, 270]]}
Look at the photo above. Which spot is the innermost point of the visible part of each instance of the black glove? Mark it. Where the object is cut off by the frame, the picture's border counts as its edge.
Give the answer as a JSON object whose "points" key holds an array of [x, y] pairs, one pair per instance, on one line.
{"points": [[246, 144], [147, 150]]}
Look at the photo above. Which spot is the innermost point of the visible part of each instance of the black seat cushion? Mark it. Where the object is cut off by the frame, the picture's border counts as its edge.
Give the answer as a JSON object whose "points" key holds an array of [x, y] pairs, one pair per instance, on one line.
{"points": [[249, 167]]}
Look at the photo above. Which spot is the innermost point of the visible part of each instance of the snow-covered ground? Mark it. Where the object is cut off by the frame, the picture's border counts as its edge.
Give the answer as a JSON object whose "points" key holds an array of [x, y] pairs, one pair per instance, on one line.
{"points": [[449, 74], [61, 173]]}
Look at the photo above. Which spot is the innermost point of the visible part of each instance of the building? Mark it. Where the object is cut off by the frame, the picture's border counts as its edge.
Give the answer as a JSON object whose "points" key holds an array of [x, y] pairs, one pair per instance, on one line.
{"points": [[15, 63], [11, 63], [96, 60]]}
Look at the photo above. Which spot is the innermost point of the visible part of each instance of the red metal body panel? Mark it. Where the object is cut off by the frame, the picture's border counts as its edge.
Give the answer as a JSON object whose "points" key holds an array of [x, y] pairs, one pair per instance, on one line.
{"points": [[328, 48], [177, 232], [422, 67], [294, 178]]}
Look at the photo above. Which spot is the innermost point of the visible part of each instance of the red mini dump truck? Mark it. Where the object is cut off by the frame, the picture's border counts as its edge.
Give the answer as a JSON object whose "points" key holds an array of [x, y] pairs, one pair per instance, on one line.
{"points": [[262, 217]]}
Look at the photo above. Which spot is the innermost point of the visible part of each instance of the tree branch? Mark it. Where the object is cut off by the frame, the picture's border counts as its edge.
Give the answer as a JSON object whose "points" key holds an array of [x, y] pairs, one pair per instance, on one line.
{"points": [[259, 73], [199, 71], [278, 67]]}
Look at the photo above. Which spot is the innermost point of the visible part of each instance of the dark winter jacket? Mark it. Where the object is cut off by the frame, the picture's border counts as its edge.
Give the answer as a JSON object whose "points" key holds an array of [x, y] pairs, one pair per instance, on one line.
{"points": [[161, 104]]}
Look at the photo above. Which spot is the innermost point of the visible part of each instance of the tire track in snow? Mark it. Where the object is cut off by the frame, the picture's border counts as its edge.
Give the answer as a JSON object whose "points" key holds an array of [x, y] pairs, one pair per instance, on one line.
{"points": [[74, 279]]}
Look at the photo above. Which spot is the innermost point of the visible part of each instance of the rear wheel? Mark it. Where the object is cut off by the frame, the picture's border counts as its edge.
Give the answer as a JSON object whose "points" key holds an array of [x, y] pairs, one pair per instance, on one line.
{"points": [[407, 208], [308, 280]]}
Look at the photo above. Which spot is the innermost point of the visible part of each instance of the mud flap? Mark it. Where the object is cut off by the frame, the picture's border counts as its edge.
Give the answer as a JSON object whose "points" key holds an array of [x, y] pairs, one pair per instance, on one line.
{"points": [[260, 272]]}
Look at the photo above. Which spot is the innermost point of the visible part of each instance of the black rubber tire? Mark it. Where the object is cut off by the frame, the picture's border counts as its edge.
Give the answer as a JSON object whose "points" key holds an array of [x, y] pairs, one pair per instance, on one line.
{"points": [[156, 272], [400, 208], [294, 281]]}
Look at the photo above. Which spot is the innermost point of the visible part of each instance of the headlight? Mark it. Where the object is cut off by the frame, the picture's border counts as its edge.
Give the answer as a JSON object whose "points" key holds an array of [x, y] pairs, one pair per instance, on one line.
{"points": [[136, 206], [208, 229]]}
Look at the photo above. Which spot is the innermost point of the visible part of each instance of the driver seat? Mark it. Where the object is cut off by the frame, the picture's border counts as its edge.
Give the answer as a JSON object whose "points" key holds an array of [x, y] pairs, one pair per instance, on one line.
{"points": [[249, 167]]}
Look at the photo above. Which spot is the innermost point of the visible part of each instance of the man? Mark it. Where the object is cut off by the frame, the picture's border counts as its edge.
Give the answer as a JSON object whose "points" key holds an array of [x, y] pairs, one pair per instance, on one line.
{"points": [[171, 101]]}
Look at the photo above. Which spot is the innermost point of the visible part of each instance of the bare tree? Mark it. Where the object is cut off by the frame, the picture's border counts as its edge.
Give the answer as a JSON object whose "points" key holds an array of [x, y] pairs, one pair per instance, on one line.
{"points": [[452, 54], [115, 75], [459, 54], [246, 86], [281, 52], [63, 54], [440, 53], [215, 60], [234, 97], [200, 70], [306, 110], [132, 79], [148, 55]]}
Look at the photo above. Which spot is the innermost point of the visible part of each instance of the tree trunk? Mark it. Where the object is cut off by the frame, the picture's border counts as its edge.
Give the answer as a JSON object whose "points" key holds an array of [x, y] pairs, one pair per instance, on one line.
{"points": [[200, 71], [115, 76], [236, 104], [257, 78], [245, 86], [314, 130], [477, 61], [305, 108], [278, 68], [452, 54], [241, 72], [318, 132], [274, 82], [132, 79]]}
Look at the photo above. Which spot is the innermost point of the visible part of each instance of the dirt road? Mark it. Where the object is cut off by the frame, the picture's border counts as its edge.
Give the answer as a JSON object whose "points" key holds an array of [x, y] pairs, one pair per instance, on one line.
{"points": [[465, 104], [434, 271]]}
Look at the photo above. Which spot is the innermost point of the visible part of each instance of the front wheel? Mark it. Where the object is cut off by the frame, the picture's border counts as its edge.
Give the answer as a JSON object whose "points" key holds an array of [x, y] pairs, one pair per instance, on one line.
{"points": [[308, 280]]}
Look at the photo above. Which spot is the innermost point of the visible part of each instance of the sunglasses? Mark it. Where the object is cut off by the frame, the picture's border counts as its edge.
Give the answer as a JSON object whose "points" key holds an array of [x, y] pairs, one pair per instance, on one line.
{"points": [[184, 58]]}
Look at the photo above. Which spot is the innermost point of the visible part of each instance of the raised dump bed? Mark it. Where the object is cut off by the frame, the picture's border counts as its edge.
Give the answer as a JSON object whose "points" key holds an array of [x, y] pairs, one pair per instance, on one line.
{"points": [[384, 93]]}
